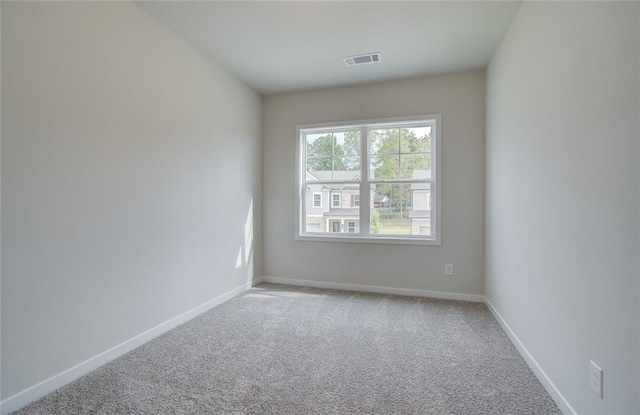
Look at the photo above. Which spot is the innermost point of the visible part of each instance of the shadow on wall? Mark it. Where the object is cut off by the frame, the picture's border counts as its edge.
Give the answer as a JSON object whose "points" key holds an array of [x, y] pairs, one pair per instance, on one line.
{"points": [[245, 252]]}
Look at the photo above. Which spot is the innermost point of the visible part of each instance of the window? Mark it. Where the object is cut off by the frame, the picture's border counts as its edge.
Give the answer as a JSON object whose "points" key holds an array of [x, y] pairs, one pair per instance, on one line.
{"points": [[381, 175], [317, 200], [335, 200]]}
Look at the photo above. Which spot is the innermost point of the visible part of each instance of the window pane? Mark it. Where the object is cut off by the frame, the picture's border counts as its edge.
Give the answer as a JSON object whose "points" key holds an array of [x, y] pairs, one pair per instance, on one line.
{"points": [[347, 168], [415, 166], [384, 167], [347, 143], [415, 140], [420, 213], [339, 212], [336, 199], [391, 208], [400, 159], [319, 145], [383, 141], [317, 200], [319, 164], [334, 156]]}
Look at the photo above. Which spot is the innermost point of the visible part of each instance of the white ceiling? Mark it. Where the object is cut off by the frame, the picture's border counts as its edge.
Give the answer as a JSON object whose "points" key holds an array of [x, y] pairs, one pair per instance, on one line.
{"points": [[285, 46]]}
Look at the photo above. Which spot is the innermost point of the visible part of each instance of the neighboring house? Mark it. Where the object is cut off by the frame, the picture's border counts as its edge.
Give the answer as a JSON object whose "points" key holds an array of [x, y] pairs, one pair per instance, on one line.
{"points": [[380, 201], [421, 214], [333, 207]]}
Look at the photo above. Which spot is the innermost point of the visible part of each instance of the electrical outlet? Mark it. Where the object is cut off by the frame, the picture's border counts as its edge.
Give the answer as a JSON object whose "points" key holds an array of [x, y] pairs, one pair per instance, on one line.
{"points": [[595, 378], [448, 269]]}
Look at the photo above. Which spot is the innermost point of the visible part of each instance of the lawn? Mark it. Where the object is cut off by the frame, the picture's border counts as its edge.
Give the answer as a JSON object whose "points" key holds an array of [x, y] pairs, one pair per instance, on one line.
{"points": [[395, 226]]}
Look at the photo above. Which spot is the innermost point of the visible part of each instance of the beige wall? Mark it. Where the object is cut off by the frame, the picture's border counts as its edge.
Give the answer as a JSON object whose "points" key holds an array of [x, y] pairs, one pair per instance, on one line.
{"points": [[562, 195], [460, 100], [129, 166]]}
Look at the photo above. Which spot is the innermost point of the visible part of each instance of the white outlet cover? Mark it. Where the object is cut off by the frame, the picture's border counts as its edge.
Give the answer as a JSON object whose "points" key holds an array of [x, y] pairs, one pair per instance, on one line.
{"points": [[448, 269], [595, 378]]}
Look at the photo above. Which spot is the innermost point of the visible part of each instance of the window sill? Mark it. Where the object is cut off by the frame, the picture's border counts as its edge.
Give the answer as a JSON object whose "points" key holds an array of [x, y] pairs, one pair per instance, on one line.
{"points": [[362, 239]]}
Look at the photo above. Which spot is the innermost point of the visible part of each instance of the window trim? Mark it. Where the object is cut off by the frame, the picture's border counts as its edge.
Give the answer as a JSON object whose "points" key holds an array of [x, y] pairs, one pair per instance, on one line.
{"points": [[313, 199], [339, 205], [365, 214]]}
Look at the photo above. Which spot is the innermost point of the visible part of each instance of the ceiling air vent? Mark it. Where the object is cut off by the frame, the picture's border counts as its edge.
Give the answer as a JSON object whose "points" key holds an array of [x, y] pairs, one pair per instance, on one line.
{"points": [[362, 59]]}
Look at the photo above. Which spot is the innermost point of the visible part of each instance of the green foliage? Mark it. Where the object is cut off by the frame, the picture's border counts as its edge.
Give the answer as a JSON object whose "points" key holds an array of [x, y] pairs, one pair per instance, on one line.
{"points": [[352, 143], [375, 222], [322, 152], [329, 152], [396, 153]]}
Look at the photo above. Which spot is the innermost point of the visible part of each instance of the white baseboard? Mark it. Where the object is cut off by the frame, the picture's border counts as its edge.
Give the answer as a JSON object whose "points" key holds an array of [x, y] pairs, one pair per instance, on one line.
{"points": [[47, 386], [23, 398], [555, 393], [376, 289]]}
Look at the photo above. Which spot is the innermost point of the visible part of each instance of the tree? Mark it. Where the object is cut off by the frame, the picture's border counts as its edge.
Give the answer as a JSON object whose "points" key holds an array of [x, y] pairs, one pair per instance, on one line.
{"points": [[334, 152], [375, 222], [323, 154], [352, 142], [396, 153]]}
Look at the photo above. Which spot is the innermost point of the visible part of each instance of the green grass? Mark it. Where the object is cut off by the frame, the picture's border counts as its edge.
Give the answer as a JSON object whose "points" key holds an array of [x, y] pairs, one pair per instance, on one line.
{"points": [[395, 226]]}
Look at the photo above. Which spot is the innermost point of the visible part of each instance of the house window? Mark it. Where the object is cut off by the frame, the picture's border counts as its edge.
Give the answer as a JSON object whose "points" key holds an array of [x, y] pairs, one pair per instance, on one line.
{"points": [[335, 200], [392, 165], [317, 200]]}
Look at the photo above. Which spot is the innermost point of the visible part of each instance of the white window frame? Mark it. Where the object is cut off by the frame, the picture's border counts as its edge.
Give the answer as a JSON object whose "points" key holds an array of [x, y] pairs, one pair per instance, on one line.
{"points": [[313, 199], [339, 205], [434, 120], [349, 222], [356, 200]]}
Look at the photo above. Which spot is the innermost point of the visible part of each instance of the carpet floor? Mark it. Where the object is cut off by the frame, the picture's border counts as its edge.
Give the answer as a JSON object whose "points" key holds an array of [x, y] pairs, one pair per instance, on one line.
{"points": [[279, 349]]}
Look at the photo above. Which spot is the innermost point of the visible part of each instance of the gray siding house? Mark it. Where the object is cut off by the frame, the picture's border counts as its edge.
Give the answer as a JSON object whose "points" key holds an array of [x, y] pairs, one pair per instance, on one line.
{"points": [[333, 207], [420, 215]]}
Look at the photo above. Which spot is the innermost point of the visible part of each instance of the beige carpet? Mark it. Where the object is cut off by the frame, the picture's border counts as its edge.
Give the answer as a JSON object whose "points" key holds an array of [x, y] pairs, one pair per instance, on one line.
{"points": [[286, 350]]}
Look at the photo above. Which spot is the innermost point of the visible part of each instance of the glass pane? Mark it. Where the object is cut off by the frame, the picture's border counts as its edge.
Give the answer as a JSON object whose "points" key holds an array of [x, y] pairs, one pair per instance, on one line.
{"points": [[383, 141], [384, 167], [347, 143], [415, 166], [415, 140], [334, 156], [321, 168], [391, 209], [343, 168], [420, 213], [347, 168], [339, 211], [319, 145]]}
